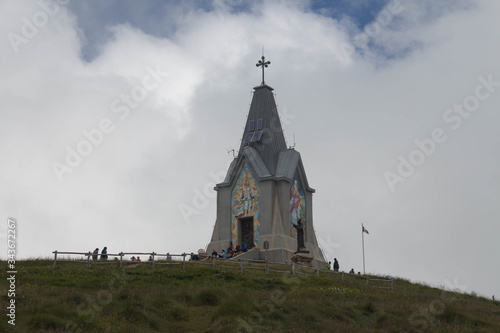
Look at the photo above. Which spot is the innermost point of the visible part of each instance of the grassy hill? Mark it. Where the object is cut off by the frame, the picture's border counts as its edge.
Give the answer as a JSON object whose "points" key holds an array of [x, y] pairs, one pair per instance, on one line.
{"points": [[138, 298]]}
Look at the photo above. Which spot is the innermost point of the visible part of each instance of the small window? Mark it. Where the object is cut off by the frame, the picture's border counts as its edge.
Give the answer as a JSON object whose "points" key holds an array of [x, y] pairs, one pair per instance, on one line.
{"points": [[248, 137], [251, 125], [257, 136], [259, 124]]}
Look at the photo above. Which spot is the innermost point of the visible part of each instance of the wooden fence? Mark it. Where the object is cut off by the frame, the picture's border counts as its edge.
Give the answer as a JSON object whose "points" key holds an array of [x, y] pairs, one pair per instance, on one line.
{"points": [[238, 264]]}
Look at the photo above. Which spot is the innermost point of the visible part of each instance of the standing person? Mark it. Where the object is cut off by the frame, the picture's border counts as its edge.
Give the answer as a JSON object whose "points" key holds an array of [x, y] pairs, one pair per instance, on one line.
{"points": [[104, 253], [95, 253], [329, 266], [336, 265]]}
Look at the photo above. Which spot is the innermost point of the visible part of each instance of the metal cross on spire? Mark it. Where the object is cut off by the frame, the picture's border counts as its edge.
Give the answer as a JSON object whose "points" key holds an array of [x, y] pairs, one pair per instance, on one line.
{"points": [[263, 63]]}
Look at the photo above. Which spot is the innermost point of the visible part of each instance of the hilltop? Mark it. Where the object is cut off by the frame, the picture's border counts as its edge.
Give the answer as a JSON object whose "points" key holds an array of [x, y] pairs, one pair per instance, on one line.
{"points": [[138, 298]]}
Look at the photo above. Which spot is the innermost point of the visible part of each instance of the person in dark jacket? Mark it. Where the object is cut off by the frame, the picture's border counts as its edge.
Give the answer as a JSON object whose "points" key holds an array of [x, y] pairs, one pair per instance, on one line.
{"points": [[104, 253], [336, 265], [95, 253]]}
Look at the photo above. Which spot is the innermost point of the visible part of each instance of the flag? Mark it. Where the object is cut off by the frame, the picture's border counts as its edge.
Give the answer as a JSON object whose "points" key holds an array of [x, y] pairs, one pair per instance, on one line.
{"points": [[364, 230]]}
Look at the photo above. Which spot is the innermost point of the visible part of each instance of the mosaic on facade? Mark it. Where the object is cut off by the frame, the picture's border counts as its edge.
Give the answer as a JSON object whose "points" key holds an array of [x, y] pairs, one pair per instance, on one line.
{"points": [[245, 203], [297, 200]]}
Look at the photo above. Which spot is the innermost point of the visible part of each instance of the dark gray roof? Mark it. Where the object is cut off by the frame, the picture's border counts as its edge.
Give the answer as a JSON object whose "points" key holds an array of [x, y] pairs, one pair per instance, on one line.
{"points": [[288, 161], [252, 156], [272, 141], [287, 164], [230, 172], [257, 162], [267, 156]]}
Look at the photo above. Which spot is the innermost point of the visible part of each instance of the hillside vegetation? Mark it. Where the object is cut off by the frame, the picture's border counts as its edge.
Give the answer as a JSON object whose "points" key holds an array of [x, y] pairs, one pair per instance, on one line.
{"points": [[138, 298]]}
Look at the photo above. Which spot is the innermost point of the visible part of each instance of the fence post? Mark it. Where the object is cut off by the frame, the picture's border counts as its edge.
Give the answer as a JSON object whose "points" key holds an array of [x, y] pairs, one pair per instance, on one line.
{"points": [[367, 279], [293, 268], [88, 259], [241, 266], [121, 259], [317, 272], [392, 284], [184, 261], [153, 255], [213, 261], [55, 259], [267, 266], [342, 275]]}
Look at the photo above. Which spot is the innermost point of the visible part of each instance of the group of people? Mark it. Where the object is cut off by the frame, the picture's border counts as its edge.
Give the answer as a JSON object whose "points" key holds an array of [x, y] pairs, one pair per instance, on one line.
{"points": [[230, 252], [336, 266], [104, 253]]}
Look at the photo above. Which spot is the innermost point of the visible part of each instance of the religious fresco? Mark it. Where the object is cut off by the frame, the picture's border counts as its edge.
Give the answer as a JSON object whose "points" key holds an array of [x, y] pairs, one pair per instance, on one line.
{"points": [[245, 203], [297, 200]]}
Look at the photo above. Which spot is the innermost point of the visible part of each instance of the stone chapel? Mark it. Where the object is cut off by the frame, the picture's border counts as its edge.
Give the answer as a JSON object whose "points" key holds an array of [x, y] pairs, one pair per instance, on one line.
{"points": [[265, 192]]}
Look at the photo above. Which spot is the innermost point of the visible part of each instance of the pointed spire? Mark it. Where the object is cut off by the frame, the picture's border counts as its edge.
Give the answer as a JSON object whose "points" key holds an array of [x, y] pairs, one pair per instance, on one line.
{"points": [[263, 129]]}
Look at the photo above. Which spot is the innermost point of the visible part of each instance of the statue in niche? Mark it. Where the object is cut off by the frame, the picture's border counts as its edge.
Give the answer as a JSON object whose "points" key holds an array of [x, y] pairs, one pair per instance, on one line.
{"points": [[300, 235]]}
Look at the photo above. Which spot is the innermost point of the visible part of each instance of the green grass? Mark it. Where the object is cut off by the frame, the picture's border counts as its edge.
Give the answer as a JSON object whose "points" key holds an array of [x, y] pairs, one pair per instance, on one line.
{"points": [[74, 298]]}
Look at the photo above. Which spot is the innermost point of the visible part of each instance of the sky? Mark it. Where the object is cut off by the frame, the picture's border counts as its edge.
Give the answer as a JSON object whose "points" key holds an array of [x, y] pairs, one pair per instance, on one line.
{"points": [[118, 118]]}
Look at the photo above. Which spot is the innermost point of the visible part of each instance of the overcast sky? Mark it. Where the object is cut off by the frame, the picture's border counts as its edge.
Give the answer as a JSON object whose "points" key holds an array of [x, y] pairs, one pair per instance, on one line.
{"points": [[117, 118]]}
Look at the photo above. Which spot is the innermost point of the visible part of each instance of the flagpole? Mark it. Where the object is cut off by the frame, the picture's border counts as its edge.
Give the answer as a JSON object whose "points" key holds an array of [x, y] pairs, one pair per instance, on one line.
{"points": [[363, 241]]}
